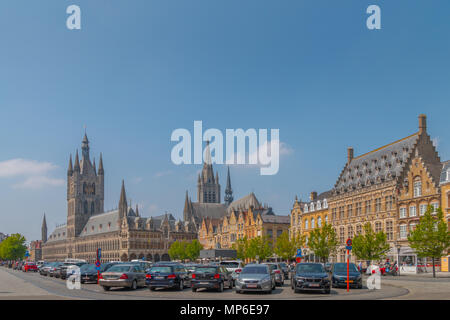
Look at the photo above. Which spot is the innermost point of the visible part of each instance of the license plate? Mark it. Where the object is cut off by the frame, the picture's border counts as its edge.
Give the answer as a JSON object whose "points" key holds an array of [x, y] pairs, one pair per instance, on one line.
{"points": [[204, 282], [252, 285], [86, 278], [314, 285], [350, 281], [159, 278]]}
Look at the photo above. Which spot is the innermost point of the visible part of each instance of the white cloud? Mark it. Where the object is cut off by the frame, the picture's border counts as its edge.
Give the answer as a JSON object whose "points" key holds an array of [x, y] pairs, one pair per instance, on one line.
{"points": [[38, 182], [36, 173], [163, 173], [284, 150], [19, 167]]}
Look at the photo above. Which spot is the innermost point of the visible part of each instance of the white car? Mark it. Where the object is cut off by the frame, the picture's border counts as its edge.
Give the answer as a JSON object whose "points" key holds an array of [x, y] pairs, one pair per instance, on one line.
{"points": [[234, 266]]}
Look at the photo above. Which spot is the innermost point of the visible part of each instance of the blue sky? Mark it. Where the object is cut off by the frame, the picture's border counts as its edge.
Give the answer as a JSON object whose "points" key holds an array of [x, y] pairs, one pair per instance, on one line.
{"points": [[139, 69]]}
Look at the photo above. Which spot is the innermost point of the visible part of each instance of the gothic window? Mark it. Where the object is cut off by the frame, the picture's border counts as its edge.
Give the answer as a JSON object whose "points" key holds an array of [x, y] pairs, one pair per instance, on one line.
{"points": [[341, 234], [402, 213], [92, 208], [349, 210], [423, 209], [319, 222], [306, 224], [350, 231], [378, 227], [359, 229], [417, 188], [85, 207], [312, 223], [403, 231]]}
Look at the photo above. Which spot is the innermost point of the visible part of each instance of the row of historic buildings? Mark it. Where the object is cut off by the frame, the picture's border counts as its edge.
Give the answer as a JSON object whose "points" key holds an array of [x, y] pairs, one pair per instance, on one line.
{"points": [[389, 187]]}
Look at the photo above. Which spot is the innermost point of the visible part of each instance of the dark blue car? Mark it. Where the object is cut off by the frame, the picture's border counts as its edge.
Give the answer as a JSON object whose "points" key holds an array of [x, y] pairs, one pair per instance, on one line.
{"points": [[339, 277], [168, 276], [310, 277]]}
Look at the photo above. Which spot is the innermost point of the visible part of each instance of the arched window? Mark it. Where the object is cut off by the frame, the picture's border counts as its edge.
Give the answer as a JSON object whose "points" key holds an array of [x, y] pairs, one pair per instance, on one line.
{"points": [[92, 207], [306, 224], [319, 205], [85, 207], [313, 223], [305, 208], [312, 206], [325, 204], [319, 222], [417, 187]]}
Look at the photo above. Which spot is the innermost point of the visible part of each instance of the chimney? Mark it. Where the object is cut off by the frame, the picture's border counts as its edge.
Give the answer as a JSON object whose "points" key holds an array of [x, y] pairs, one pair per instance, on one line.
{"points": [[313, 196], [349, 154], [422, 123]]}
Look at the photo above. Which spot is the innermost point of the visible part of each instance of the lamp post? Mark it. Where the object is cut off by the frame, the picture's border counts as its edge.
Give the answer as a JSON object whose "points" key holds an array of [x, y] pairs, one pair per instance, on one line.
{"points": [[398, 259]]}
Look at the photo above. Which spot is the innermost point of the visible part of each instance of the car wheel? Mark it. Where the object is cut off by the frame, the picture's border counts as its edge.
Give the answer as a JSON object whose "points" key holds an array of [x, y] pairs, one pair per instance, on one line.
{"points": [[181, 286], [106, 288], [220, 287], [194, 289], [238, 291], [231, 285], [134, 285], [152, 289]]}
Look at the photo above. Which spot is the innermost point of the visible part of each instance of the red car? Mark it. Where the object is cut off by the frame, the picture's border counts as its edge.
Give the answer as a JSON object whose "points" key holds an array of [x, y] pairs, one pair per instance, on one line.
{"points": [[30, 266]]}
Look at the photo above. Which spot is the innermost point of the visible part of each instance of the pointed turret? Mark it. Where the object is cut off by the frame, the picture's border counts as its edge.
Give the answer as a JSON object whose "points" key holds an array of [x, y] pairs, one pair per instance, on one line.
{"points": [[85, 148], [76, 166], [123, 206], [186, 210], [95, 168], [100, 166], [70, 169], [44, 230], [137, 211], [228, 191]]}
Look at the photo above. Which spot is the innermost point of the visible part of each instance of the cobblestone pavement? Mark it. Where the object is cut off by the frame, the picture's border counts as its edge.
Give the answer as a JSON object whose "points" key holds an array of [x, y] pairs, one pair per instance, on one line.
{"points": [[20, 285]]}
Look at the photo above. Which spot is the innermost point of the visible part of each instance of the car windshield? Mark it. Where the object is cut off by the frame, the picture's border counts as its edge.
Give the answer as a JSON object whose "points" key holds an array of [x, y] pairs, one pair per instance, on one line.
{"points": [[205, 270], [160, 269], [272, 267], [310, 268], [119, 268], [230, 264], [88, 267], [342, 267], [283, 265], [255, 269]]}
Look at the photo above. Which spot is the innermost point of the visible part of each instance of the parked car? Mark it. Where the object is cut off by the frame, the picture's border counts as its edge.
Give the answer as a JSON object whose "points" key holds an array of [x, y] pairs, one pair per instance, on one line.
{"points": [[30, 266], [255, 277], [232, 265], [285, 269], [168, 276], [89, 272], [144, 264], [277, 272], [54, 269], [44, 269], [328, 266], [310, 276], [211, 277], [61, 272], [339, 277], [130, 275], [190, 267]]}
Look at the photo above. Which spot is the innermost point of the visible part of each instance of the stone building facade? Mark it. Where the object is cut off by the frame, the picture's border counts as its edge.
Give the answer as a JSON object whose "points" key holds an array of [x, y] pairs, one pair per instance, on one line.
{"points": [[389, 187], [122, 234], [251, 221]]}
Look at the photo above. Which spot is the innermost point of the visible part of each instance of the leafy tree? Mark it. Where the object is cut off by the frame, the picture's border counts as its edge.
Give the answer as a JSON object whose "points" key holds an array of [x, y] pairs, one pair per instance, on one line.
{"points": [[193, 250], [13, 247], [323, 241], [431, 237], [177, 250], [260, 247], [286, 248], [241, 247], [370, 245]]}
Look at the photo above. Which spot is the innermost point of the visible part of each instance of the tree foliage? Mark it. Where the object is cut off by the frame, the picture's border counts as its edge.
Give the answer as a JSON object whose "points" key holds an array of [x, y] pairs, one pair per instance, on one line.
{"points": [[259, 248], [431, 237], [286, 248], [323, 242], [370, 245], [13, 247], [185, 250]]}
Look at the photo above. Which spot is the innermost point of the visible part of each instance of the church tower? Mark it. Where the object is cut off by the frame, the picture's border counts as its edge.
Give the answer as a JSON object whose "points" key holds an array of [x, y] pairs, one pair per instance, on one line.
{"points": [[228, 190], [85, 190], [44, 230], [208, 187]]}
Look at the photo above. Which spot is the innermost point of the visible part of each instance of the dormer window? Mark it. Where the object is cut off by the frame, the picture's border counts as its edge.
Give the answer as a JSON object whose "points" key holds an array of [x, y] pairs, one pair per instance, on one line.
{"points": [[448, 175], [325, 204], [306, 208], [319, 205], [312, 206]]}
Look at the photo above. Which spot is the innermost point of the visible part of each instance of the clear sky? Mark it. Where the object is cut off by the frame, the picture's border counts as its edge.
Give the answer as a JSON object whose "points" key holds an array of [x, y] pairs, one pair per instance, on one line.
{"points": [[139, 69]]}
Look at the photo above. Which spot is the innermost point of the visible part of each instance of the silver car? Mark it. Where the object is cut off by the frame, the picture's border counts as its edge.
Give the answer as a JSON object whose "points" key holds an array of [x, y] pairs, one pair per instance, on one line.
{"points": [[277, 272], [123, 275], [255, 277]]}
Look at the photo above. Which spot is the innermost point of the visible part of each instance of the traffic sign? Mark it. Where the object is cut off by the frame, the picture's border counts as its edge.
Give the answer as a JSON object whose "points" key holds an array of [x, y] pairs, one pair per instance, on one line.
{"points": [[299, 253], [97, 264], [348, 244], [27, 254], [298, 259], [98, 268], [99, 253]]}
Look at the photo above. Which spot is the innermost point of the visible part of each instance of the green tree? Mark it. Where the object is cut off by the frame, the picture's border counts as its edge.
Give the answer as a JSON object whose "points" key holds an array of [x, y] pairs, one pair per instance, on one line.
{"points": [[241, 247], [177, 250], [431, 237], [370, 245], [286, 248], [259, 248], [323, 241], [193, 250], [13, 247]]}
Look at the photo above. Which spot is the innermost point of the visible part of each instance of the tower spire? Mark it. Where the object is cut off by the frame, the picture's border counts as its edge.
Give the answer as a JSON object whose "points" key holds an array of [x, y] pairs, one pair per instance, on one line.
{"points": [[100, 166], [70, 169], [44, 229], [228, 191], [76, 166], [123, 206]]}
